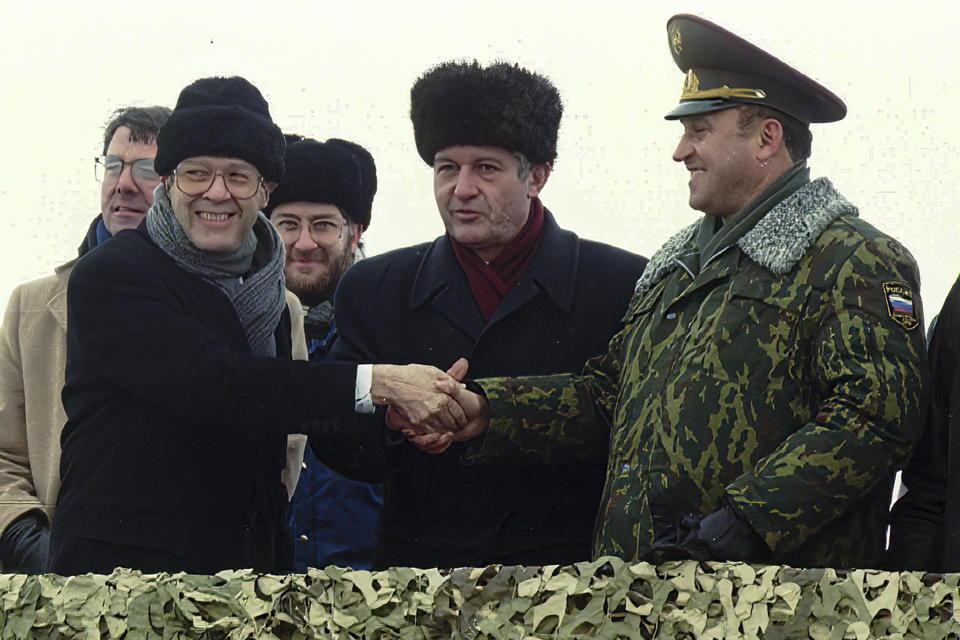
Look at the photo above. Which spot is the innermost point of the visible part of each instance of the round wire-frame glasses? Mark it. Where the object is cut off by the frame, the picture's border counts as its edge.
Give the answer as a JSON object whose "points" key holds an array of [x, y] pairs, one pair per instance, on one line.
{"points": [[325, 233], [196, 179]]}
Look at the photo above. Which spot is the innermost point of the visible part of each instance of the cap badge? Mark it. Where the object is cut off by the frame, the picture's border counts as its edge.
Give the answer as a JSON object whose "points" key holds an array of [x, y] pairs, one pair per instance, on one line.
{"points": [[676, 40]]}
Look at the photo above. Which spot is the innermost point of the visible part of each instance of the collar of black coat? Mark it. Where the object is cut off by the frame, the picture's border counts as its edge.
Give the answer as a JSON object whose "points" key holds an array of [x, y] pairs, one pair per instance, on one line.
{"points": [[553, 269], [776, 242]]}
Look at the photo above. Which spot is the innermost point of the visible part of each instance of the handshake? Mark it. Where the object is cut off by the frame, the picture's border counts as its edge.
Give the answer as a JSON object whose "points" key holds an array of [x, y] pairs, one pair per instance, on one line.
{"points": [[431, 408]]}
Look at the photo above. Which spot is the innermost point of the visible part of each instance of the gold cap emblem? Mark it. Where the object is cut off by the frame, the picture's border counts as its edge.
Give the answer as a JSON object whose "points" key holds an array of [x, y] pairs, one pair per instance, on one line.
{"points": [[676, 40]]}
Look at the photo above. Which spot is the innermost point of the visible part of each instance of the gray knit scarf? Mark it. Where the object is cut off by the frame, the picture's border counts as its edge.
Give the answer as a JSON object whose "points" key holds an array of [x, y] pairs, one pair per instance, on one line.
{"points": [[251, 277]]}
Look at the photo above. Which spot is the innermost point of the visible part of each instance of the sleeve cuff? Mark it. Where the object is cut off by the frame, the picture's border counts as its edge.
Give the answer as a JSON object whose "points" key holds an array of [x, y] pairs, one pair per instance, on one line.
{"points": [[363, 401]]}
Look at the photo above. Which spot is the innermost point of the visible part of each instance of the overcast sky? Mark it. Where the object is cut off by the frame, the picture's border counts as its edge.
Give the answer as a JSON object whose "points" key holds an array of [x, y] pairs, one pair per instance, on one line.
{"points": [[344, 69]]}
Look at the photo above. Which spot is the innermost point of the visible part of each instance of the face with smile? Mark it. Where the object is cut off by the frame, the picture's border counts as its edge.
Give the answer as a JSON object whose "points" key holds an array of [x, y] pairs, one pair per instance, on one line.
{"points": [[725, 174], [215, 219], [125, 198], [319, 243], [483, 201]]}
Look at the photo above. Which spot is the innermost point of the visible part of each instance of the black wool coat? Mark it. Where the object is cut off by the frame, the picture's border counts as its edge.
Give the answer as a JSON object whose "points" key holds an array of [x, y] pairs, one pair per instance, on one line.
{"points": [[925, 523], [414, 305], [176, 431]]}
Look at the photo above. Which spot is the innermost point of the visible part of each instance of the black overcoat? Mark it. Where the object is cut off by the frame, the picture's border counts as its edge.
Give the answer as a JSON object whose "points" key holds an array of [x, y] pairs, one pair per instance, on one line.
{"points": [[925, 532], [176, 431], [414, 305]]}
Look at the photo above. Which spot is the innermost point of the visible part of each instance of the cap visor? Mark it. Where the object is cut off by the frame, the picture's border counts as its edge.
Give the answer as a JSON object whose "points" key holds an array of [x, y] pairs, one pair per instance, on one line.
{"points": [[693, 107]]}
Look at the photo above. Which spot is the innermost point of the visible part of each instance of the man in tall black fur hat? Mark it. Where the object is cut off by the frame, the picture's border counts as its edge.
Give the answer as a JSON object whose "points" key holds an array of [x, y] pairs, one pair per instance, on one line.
{"points": [[505, 287]]}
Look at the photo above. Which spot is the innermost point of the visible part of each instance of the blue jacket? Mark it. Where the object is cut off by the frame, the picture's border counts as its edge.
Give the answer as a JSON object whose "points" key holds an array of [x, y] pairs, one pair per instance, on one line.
{"points": [[332, 517]]}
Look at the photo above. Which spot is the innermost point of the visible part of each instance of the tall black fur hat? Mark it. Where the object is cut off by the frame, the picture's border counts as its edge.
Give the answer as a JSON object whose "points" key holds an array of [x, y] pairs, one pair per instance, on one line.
{"points": [[221, 117], [503, 105], [327, 173], [368, 173]]}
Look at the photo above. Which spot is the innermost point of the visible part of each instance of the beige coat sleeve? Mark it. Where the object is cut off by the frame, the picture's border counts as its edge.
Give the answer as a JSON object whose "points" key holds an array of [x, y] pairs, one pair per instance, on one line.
{"points": [[17, 492], [296, 443]]}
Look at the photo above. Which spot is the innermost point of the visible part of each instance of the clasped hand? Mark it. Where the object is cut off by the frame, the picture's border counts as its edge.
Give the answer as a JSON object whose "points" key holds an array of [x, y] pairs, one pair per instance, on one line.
{"points": [[436, 409]]}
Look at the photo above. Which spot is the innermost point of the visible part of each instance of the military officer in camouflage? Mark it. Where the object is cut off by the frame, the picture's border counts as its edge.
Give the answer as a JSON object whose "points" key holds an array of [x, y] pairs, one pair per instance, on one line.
{"points": [[769, 378]]}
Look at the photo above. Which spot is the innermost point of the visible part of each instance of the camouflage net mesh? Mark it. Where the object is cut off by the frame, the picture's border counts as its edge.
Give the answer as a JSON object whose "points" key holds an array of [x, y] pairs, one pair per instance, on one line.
{"points": [[603, 599]]}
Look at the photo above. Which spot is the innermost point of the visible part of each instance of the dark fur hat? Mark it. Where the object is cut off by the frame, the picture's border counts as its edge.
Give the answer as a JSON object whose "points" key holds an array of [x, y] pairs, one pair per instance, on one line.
{"points": [[221, 117], [327, 173], [368, 173], [503, 105]]}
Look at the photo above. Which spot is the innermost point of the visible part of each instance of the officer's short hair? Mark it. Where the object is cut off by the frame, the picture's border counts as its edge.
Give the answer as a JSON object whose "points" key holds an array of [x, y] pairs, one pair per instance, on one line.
{"points": [[796, 135], [143, 122]]}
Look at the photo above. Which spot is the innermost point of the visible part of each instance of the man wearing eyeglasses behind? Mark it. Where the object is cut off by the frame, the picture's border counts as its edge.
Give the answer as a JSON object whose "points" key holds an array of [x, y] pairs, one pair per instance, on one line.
{"points": [[321, 208], [179, 389], [33, 346]]}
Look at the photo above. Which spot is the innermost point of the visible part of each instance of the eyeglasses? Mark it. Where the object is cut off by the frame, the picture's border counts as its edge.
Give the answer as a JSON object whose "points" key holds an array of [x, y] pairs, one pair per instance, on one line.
{"points": [[109, 168], [326, 233], [195, 179]]}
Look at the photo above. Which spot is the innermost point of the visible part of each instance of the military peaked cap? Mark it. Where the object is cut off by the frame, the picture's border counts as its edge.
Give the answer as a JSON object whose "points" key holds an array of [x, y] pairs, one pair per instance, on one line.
{"points": [[503, 105], [723, 69]]}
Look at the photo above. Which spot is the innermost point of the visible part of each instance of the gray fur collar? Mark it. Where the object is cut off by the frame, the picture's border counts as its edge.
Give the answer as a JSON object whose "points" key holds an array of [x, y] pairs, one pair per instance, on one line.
{"points": [[777, 242]]}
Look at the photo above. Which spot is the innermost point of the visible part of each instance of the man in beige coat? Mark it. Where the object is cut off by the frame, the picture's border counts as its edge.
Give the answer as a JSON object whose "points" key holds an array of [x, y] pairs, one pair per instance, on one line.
{"points": [[33, 347]]}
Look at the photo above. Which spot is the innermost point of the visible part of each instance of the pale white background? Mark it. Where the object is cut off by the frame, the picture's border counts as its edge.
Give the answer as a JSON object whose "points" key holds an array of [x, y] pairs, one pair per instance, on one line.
{"points": [[345, 68]]}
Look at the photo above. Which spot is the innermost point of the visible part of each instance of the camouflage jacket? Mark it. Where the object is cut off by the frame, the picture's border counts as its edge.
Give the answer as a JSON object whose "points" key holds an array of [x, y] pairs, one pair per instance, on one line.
{"points": [[784, 376]]}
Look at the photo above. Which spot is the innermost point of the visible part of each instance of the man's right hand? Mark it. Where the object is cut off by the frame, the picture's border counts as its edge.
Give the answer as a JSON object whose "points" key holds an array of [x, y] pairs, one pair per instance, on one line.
{"points": [[474, 406], [414, 391]]}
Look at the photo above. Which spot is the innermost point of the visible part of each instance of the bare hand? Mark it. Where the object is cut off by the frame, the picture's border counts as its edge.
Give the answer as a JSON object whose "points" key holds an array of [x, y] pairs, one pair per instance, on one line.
{"points": [[422, 436], [412, 389], [477, 411], [424, 439], [474, 406]]}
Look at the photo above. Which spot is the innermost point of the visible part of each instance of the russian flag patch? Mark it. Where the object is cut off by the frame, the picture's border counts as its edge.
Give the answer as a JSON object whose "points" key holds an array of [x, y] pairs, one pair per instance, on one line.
{"points": [[900, 304]]}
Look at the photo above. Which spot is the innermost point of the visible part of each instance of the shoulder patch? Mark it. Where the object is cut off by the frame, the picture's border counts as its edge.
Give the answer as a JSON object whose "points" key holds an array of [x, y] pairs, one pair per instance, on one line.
{"points": [[900, 304]]}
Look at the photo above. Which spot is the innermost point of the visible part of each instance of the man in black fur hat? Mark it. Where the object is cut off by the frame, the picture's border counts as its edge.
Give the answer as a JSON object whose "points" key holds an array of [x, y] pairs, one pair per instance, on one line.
{"points": [[505, 287], [179, 390], [320, 209]]}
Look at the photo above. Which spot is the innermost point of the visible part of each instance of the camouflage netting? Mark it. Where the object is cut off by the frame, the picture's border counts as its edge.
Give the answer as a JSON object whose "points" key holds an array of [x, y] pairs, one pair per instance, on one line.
{"points": [[602, 599]]}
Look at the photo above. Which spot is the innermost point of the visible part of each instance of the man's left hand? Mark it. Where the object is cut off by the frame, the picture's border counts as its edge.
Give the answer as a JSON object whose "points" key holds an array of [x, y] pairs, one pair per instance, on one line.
{"points": [[719, 535]]}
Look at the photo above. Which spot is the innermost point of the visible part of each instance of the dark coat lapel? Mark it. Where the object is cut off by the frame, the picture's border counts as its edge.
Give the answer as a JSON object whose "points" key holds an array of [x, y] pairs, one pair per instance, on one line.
{"points": [[441, 283], [552, 272]]}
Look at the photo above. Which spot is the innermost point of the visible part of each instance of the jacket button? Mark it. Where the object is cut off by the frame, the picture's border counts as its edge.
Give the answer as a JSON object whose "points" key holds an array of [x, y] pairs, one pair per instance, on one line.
{"points": [[247, 527], [304, 538], [303, 465]]}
